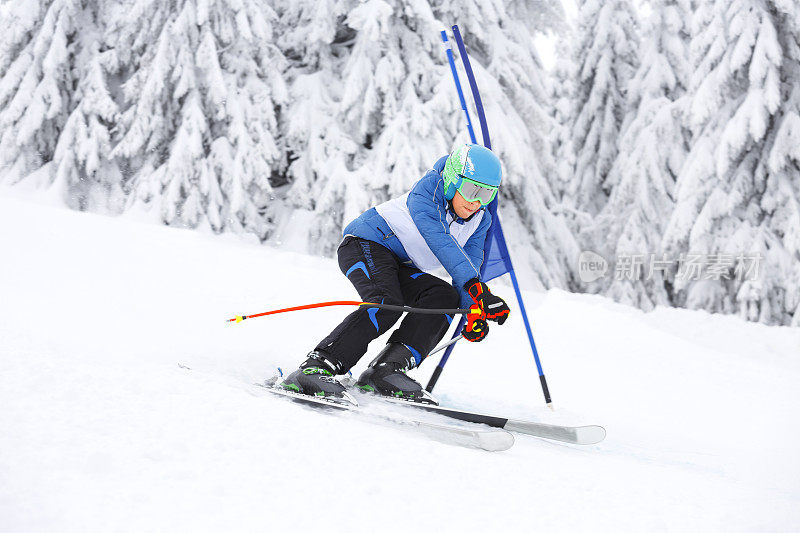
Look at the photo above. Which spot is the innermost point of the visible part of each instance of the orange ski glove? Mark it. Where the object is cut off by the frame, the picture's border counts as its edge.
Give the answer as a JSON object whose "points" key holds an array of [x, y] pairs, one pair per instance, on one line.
{"points": [[477, 328]]}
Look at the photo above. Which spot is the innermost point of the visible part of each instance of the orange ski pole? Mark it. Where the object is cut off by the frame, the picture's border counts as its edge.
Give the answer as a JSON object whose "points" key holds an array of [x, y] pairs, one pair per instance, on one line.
{"points": [[389, 307]]}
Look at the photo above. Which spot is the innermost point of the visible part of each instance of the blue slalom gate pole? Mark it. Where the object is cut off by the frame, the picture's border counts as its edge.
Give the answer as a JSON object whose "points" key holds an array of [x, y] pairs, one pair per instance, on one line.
{"points": [[501, 242], [449, 52], [476, 96], [496, 227]]}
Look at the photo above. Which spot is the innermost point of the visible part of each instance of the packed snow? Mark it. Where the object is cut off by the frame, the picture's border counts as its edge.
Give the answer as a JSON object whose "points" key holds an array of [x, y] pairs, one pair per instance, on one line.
{"points": [[129, 405]]}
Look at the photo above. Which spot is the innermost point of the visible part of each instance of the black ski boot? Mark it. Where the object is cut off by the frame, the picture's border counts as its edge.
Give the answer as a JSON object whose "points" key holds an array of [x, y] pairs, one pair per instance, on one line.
{"points": [[386, 375], [315, 377]]}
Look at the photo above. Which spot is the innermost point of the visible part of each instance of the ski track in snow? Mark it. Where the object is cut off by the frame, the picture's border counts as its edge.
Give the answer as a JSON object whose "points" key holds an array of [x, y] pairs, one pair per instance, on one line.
{"points": [[103, 430]]}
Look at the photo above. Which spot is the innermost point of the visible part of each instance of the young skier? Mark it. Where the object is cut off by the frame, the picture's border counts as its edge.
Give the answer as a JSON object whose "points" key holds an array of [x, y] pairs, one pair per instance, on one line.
{"points": [[441, 222]]}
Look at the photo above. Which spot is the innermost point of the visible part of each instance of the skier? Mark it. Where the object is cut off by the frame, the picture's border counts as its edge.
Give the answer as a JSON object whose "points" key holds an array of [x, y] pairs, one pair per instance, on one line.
{"points": [[441, 222]]}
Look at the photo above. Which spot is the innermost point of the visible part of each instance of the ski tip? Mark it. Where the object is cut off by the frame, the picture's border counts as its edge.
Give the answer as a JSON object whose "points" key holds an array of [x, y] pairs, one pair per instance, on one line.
{"points": [[496, 441], [588, 435]]}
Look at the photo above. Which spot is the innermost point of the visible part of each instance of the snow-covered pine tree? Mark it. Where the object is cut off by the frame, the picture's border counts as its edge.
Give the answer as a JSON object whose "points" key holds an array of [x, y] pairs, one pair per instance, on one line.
{"points": [[737, 194], [318, 145], [82, 159], [606, 60], [203, 86], [563, 96], [781, 199], [360, 106], [652, 150], [41, 46]]}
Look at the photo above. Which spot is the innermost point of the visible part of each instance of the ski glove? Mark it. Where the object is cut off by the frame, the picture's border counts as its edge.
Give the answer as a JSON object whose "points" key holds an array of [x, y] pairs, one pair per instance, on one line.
{"points": [[493, 307], [477, 328]]}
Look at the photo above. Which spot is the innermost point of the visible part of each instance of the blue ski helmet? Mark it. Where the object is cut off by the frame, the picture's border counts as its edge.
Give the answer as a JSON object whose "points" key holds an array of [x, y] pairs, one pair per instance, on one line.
{"points": [[473, 163]]}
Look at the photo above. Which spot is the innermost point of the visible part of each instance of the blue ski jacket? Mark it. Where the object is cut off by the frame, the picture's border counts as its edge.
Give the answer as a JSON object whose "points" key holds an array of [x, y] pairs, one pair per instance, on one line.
{"points": [[423, 231]]}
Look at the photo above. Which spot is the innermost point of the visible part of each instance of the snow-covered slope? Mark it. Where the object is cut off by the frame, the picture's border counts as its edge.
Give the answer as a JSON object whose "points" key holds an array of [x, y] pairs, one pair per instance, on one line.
{"points": [[103, 428]]}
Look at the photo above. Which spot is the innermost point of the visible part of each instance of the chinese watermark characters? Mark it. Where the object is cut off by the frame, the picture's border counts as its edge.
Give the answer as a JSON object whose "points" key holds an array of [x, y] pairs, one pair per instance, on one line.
{"points": [[687, 266]]}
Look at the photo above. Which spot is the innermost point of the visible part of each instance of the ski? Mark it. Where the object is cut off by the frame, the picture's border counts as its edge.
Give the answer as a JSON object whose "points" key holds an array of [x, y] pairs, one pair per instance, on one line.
{"points": [[484, 439], [583, 435]]}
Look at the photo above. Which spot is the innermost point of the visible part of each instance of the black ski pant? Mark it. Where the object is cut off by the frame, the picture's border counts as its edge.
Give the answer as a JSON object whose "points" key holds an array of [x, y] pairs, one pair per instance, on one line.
{"points": [[379, 277]]}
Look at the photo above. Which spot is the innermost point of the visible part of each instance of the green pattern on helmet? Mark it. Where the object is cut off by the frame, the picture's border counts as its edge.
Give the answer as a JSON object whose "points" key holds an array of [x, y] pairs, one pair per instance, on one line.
{"points": [[454, 166]]}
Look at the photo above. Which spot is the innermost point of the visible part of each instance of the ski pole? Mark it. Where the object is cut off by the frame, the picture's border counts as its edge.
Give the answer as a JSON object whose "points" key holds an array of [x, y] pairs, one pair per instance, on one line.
{"points": [[446, 344], [388, 307]]}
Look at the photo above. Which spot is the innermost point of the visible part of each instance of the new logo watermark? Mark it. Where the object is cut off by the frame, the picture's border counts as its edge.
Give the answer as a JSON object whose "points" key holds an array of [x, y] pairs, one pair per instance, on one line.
{"points": [[591, 266], [687, 267]]}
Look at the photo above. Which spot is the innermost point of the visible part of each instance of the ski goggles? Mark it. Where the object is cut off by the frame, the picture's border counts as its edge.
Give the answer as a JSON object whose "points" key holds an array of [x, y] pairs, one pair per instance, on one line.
{"points": [[473, 191]]}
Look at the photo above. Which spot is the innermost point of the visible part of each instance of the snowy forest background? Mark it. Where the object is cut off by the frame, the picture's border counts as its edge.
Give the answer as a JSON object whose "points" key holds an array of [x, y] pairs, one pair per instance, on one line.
{"points": [[664, 127]]}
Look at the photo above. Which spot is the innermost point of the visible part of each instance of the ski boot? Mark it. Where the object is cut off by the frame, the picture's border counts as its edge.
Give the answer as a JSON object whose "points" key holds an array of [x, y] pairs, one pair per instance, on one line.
{"points": [[315, 377], [386, 375]]}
